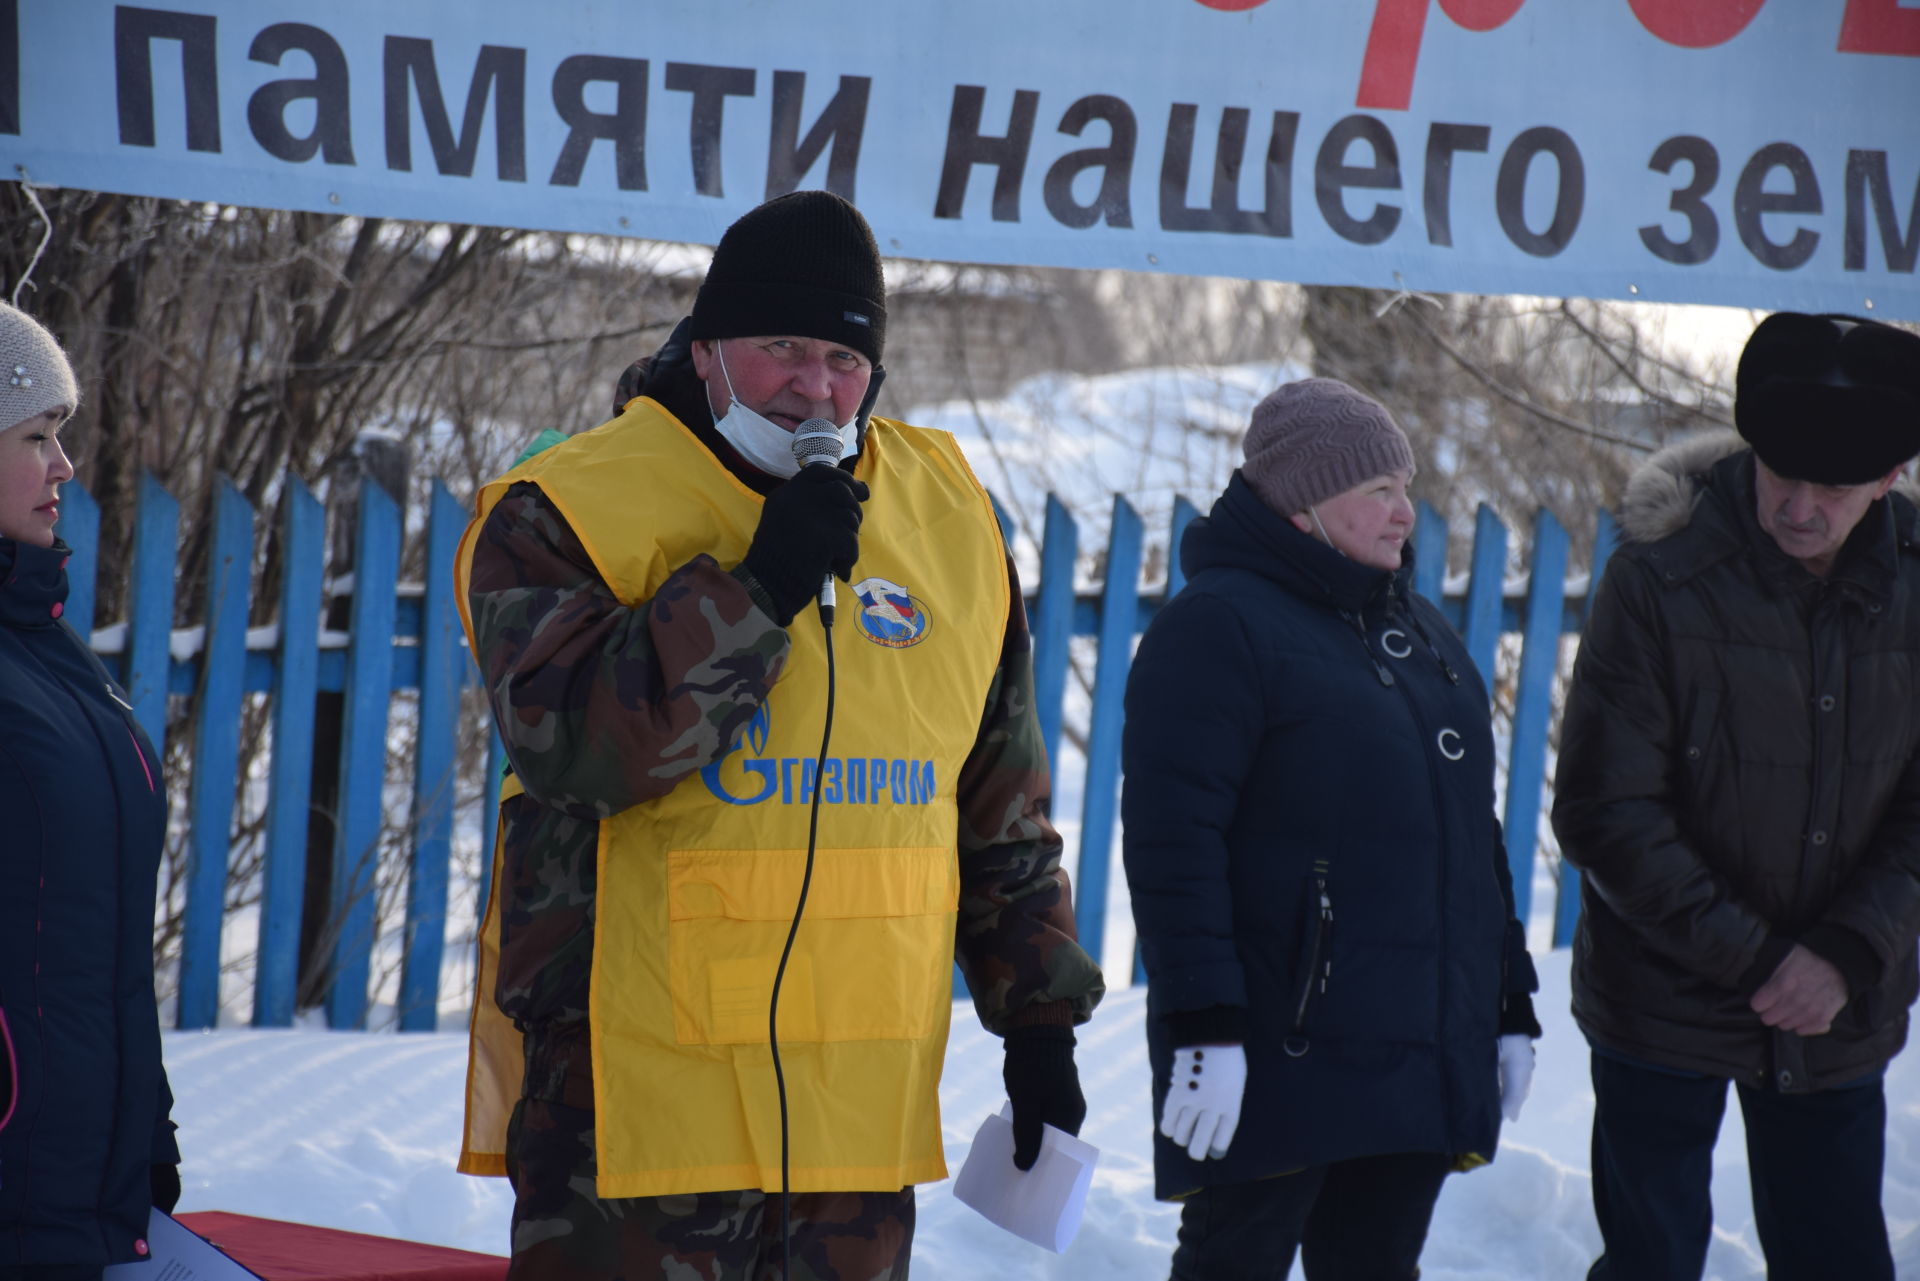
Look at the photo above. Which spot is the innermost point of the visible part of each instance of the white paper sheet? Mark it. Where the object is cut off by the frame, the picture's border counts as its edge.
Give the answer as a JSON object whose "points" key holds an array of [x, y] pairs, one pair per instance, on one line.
{"points": [[175, 1253], [1042, 1205]]}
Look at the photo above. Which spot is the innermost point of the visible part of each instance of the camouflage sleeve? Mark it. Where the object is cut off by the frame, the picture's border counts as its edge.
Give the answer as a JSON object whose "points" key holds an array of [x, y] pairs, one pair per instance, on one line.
{"points": [[1016, 942], [602, 705]]}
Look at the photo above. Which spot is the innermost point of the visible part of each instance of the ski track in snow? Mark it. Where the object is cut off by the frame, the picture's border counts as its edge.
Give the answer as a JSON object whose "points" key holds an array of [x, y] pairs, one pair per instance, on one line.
{"points": [[360, 1130]]}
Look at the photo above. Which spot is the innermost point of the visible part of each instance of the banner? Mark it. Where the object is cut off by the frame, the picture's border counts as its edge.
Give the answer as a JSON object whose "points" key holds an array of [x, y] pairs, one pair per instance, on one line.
{"points": [[1763, 153]]}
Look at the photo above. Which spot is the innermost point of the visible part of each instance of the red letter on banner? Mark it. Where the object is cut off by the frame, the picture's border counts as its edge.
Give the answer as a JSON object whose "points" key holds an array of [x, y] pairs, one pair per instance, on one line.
{"points": [[1696, 24], [1480, 15], [1393, 49], [1880, 26], [1393, 44]]}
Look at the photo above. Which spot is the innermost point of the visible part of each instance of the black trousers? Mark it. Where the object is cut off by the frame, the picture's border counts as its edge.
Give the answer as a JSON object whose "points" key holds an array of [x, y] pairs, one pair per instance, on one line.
{"points": [[1359, 1220], [1815, 1162]]}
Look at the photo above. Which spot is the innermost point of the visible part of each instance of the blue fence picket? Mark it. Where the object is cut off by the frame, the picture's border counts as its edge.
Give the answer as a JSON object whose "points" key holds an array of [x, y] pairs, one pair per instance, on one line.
{"points": [[1533, 702], [433, 780], [296, 678], [1566, 908], [80, 530], [1119, 605], [363, 755], [156, 537], [1485, 592], [1183, 515], [383, 657], [1004, 517], [216, 755], [1429, 553], [1053, 621]]}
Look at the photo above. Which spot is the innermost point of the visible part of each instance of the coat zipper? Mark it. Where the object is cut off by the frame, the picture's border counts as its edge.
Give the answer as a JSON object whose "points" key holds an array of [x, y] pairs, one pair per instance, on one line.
{"points": [[13, 1072], [1319, 961]]}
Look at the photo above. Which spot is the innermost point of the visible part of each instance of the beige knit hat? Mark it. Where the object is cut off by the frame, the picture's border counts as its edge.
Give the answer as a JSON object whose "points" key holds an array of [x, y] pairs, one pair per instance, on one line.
{"points": [[34, 373], [1316, 438]]}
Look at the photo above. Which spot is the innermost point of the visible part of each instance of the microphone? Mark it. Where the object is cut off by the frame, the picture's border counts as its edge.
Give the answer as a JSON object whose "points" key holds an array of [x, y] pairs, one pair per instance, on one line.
{"points": [[816, 442]]}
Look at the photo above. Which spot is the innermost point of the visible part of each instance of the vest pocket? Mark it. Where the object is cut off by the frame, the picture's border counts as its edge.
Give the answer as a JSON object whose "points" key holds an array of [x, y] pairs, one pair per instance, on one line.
{"points": [[871, 962]]}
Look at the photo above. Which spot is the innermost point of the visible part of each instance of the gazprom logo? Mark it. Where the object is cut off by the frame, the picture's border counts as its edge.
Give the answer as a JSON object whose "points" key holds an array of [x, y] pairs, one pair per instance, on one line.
{"points": [[745, 775]]}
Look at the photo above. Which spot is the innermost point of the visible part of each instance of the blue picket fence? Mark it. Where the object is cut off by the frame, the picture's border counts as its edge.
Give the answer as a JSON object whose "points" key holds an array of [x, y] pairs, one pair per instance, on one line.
{"points": [[408, 639]]}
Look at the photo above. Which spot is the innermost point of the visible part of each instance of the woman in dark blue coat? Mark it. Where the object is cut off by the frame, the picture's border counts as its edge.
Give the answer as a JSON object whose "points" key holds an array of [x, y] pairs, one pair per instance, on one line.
{"points": [[86, 1141], [1337, 986]]}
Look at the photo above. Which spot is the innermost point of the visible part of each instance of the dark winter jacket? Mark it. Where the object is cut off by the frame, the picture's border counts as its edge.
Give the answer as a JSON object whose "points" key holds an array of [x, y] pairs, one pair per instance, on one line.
{"points": [[1313, 856], [1739, 771], [79, 855]]}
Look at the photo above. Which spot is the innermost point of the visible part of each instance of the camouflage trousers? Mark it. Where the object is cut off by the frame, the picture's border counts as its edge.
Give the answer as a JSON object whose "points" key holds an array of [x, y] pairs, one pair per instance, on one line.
{"points": [[563, 1232]]}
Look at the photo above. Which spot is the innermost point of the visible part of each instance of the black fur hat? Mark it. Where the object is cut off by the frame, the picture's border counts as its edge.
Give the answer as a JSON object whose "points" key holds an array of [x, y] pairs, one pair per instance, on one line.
{"points": [[1830, 399], [804, 264]]}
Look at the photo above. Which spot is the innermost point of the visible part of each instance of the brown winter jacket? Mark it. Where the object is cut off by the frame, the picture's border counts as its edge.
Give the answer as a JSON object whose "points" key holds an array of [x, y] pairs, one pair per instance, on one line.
{"points": [[1738, 772]]}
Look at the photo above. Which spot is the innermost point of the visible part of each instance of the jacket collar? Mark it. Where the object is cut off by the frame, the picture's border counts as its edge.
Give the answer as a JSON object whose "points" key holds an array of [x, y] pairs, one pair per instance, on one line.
{"points": [[1696, 500], [1242, 532], [33, 583]]}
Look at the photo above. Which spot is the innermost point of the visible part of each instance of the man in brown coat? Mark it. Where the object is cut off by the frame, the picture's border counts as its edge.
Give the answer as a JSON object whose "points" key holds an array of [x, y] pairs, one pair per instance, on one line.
{"points": [[1739, 781]]}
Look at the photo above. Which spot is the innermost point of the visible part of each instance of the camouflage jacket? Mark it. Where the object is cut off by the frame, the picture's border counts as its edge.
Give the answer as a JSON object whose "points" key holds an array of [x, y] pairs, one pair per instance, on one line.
{"points": [[597, 702]]}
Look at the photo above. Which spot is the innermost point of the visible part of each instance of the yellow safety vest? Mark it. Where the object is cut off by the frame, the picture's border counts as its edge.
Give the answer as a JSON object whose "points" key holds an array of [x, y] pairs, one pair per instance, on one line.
{"points": [[697, 888]]}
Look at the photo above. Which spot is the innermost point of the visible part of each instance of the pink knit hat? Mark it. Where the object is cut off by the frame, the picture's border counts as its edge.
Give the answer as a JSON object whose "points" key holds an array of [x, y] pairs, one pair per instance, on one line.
{"points": [[1318, 437]]}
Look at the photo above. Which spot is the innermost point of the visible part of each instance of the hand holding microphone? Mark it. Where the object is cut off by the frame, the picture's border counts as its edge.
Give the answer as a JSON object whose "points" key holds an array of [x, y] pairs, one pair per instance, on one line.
{"points": [[809, 531]]}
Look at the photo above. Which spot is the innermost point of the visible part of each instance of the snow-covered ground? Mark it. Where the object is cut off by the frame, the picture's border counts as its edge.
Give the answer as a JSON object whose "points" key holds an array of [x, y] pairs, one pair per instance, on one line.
{"points": [[359, 1131]]}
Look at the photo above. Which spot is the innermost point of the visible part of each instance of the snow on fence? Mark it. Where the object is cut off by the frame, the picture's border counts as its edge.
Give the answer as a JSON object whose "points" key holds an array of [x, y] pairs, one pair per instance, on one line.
{"points": [[408, 639]]}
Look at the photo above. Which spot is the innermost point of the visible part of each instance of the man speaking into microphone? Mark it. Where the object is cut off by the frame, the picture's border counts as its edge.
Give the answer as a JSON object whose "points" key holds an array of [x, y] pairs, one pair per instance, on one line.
{"points": [[640, 602]]}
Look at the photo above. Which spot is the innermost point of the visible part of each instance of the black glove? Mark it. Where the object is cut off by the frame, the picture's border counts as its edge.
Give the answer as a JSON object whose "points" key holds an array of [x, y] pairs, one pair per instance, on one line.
{"points": [[632, 382], [808, 527], [1044, 1087], [165, 1180]]}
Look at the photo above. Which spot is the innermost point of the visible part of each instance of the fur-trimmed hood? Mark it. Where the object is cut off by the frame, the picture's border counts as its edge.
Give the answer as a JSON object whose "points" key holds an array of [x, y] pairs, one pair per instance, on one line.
{"points": [[1662, 492]]}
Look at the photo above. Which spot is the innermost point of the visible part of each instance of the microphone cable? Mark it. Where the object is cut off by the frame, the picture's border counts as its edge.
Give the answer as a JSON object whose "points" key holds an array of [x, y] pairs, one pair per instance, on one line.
{"points": [[799, 908]]}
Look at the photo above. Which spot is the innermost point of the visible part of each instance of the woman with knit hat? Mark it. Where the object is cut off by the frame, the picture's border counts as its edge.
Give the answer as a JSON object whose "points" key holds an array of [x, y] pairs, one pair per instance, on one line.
{"points": [[1338, 990], [86, 1141]]}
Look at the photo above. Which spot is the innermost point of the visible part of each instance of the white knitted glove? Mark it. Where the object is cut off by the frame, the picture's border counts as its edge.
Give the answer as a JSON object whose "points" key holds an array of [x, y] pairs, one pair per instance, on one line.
{"points": [[1203, 1103], [1516, 1072]]}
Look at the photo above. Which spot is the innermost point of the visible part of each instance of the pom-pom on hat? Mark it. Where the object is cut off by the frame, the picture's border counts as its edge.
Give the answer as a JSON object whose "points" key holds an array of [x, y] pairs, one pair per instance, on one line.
{"points": [[1830, 399], [34, 373], [1318, 437], [804, 264]]}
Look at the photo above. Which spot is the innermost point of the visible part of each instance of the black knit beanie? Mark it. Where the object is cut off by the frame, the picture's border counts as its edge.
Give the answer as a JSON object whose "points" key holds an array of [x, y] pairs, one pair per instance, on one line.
{"points": [[804, 264], [1830, 399]]}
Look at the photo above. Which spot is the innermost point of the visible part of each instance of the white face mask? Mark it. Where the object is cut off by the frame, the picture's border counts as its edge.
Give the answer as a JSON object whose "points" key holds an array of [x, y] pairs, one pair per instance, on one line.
{"points": [[764, 443]]}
